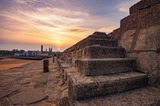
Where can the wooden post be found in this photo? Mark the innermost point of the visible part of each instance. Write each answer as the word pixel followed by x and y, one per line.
pixel 45 65
pixel 53 59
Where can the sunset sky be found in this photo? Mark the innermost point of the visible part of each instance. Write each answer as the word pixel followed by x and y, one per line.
pixel 27 24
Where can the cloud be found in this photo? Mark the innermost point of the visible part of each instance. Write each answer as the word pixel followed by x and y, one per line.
pixel 52 25
pixel 124 9
pixel 60 23
pixel 75 30
pixel 62 12
pixel 25 1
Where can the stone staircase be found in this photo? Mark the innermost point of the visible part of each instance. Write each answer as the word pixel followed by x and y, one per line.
pixel 101 69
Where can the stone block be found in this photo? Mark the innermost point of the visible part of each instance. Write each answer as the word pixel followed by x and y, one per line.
pixel 147 96
pixel 103 52
pixel 128 23
pixel 100 35
pixel 127 39
pixel 149 17
pixel 95 67
pixel 94 41
pixel 148 39
pixel 82 87
pixel 143 4
pixel 116 34
pixel 101 42
pixel 149 63
pixel 97 38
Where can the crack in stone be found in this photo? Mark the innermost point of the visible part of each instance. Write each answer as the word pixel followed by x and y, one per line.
pixel 10 94
pixel 9 101
pixel 45 98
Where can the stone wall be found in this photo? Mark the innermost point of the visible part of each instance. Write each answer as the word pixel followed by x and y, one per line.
pixel 139 34
pixel 79 50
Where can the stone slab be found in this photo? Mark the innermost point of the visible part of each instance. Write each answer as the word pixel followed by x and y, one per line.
pixel 82 87
pixel 95 67
pixel 147 96
pixel 103 52
pixel 101 42
pixel 99 35
pixel 143 4
pixel 5 102
pixel 28 96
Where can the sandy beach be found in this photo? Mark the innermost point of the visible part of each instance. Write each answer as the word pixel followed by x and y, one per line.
pixel 8 63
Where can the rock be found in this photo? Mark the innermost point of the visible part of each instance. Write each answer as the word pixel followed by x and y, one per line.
pixel 127 39
pixel 61 82
pixel 47 104
pixel 40 84
pixel 63 102
pixel 148 39
pixel 8 93
pixel 29 96
pixel 4 102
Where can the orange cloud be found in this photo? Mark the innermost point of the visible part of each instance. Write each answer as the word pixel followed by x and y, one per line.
pixel 51 26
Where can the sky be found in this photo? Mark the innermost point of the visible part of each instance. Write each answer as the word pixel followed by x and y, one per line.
pixel 28 24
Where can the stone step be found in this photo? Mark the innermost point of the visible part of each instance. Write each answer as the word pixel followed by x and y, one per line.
pixel 95 67
pixel 96 41
pixel 103 52
pixel 99 35
pixel 82 87
pixel 146 96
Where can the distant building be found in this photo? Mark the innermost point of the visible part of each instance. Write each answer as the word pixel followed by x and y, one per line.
pixel 33 53
pixel 50 49
pixel 28 53
pixel 18 54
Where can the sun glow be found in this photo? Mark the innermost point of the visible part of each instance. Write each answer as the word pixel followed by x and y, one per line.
pixel 55 23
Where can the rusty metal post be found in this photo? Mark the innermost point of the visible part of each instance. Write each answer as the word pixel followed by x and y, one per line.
pixel 45 65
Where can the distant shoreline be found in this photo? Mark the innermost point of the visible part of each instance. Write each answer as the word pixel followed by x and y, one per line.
pixel 7 63
pixel 27 58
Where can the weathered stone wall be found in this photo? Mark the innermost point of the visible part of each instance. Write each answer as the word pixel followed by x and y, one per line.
pixel 78 50
pixel 139 34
